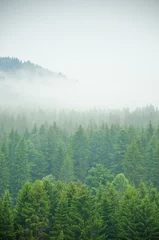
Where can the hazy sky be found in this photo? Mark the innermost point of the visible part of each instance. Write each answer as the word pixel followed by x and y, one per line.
pixel 112 47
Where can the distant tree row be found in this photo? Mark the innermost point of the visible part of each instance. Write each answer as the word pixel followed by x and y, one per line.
pixel 69 120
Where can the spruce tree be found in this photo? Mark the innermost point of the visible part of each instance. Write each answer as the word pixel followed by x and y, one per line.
pixel 4 174
pixel 32 211
pixel 6 217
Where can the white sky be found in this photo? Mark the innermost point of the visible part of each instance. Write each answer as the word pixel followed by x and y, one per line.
pixel 111 47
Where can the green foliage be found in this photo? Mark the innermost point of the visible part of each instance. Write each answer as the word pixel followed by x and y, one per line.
pixel 80 153
pixel 98 175
pixel 138 216
pixel 4 174
pixel 113 161
pixel 108 209
pixel 32 211
pixel 6 217
pixel 120 184
pixel 20 168
pixel 67 170
pixel 133 164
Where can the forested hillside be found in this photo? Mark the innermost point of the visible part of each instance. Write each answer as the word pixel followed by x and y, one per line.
pixel 14 68
pixel 82 180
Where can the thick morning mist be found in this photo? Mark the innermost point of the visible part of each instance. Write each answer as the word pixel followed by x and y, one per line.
pixel 109 50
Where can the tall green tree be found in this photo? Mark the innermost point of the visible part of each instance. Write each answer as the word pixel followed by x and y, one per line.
pixel 6 217
pixel 133 164
pixel 80 153
pixel 119 151
pixel 155 166
pixel 32 211
pixel 20 169
pixel 67 170
pixel 4 174
pixel 138 216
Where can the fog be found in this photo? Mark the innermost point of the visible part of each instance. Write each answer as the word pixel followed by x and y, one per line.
pixel 110 47
pixel 47 93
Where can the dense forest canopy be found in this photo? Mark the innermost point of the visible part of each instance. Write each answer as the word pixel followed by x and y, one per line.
pixel 79 175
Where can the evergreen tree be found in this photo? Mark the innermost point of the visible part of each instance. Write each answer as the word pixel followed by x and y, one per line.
pixel 80 153
pixel 20 169
pixel 149 163
pixel 58 160
pixel 67 170
pixel 60 227
pixel 32 211
pixel 155 166
pixel 6 217
pixel 133 164
pixel 138 216
pixel 108 211
pixel 98 175
pixel 86 223
pixel 119 151
pixel 4 174
pixel 120 184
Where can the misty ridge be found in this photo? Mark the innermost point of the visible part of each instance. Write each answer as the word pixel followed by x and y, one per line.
pixel 24 84
pixel 29 85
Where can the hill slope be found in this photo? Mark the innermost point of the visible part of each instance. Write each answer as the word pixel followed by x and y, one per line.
pixel 29 85
pixel 15 68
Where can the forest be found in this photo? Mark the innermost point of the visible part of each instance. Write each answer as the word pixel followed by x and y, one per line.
pixel 79 175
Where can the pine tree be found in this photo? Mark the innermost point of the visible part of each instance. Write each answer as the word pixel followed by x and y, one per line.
pixel 36 162
pixel 150 131
pixel 20 169
pixel 58 159
pixel 61 226
pixel 127 223
pixel 6 217
pixel 67 170
pixel 4 174
pixel 83 218
pixel 80 153
pixel 108 211
pixel 138 216
pixel 149 163
pixel 133 164
pixel 119 151
pixel 155 166
pixel 32 211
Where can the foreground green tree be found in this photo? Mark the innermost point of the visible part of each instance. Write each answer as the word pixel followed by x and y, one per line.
pixel 138 217
pixel 84 219
pixel 108 209
pixel 32 211
pixel 6 217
